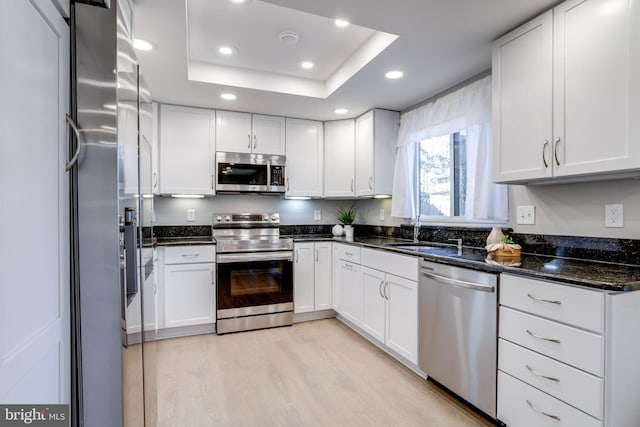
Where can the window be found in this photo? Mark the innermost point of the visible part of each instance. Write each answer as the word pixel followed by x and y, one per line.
pixel 442 174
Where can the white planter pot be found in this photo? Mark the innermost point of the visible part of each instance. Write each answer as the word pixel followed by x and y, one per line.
pixel 348 231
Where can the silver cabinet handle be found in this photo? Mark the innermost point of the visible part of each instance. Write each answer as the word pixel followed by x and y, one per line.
pixel 458 283
pixel 213 278
pixel 287 183
pixel 349 253
pixel 249 143
pixel 544 153
pixel 190 255
pixel 532 406
pixel 317 254
pixel 296 256
pixel 380 289
pixel 349 266
pixel 255 141
pixel 73 159
pixel 213 181
pixel 386 287
pixel 535 298
pixel 538 374
pixel 553 340
pixel 155 180
pixel 555 151
pixel 352 185
pixel 371 183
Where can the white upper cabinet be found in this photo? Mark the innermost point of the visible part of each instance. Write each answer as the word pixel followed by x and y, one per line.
pixel 339 168
pixel 522 100
pixel 375 139
pixel 567 94
pixel 305 158
pixel 250 133
pixel 187 150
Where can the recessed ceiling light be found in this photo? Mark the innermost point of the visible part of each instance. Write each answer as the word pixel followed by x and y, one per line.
pixel 228 96
pixel 141 44
pixel 341 111
pixel 341 22
pixel 395 74
pixel 238 1
pixel 227 50
pixel 307 65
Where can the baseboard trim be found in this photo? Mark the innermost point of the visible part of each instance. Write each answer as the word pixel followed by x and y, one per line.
pixel 313 315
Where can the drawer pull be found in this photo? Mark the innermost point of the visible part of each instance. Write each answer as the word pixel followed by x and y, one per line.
pixel 533 297
pixel 190 255
pixel 532 406
pixel 553 340
pixel 538 374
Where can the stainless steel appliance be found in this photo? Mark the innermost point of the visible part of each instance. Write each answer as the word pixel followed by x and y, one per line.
pixel 254 272
pixel 249 173
pixel 458 331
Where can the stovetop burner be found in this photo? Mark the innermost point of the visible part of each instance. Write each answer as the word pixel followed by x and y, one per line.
pixel 248 232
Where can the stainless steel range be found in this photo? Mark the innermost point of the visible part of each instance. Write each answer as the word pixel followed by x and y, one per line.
pixel 254 272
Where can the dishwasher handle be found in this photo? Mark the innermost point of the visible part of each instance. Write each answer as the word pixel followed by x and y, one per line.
pixel 457 283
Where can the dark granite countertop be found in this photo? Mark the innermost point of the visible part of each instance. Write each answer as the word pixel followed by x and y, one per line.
pixel 591 274
pixel 186 241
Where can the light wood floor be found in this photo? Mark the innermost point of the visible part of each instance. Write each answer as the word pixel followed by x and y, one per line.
pixel 316 373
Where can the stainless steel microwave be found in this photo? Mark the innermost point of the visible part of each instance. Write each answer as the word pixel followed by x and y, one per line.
pixel 249 173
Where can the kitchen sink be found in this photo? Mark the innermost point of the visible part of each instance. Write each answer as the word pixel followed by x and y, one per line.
pixel 430 249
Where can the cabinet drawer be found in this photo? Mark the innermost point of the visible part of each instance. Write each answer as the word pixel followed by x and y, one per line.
pixel 347 252
pixel 579 307
pixel 189 254
pixel 398 265
pixel 573 346
pixel 571 385
pixel 520 405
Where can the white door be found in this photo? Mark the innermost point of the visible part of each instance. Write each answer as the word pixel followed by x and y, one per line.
pixel 190 294
pixel 305 158
pixel 373 302
pixel 187 151
pixel 595 86
pixel 522 101
pixel 34 249
pixel 233 132
pixel 351 292
pixel 303 277
pixel 364 155
pixel 323 275
pixel 339 154
pixel 268 134
pixel 402 317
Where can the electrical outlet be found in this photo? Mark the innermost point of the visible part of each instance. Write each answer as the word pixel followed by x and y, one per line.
pixel 317 215
pixel 381 215
pixel 191 215
pixel 526 215
pixel 613 216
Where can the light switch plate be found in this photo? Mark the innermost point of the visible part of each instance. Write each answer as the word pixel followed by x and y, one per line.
pixel 526 215
pixel 613 216
pixel 381 216
pixel 317 215
pixel 191 215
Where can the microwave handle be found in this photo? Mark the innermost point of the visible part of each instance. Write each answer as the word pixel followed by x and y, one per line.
pixel 269 183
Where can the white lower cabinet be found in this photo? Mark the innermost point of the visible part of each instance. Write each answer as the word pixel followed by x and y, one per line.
pixel 401 332
pixel 189 286
pixel 351 298
pixel 312 277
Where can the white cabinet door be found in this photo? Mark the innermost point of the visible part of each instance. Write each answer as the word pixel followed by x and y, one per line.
pixel 373 303
pixel 150 296
pixel 233 132
pixel 303 277
pixel 305 158
pixel 323 275
pixel 351 292
pixel 34 260
pixel 339 167
pixel 364 157
pixel 596 96
pixel 268 135
pixel 189 294
pixel 187 150
pixel 402 316
pixel 522 101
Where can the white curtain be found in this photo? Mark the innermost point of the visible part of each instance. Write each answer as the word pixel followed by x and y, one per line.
pixel 468 108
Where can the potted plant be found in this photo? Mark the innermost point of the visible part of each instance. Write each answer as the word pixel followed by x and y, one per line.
pixel 346 217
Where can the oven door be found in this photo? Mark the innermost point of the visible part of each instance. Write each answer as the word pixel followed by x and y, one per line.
pixel 263 279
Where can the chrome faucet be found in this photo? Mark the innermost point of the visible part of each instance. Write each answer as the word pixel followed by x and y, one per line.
pixel 459 242
pixel 416 230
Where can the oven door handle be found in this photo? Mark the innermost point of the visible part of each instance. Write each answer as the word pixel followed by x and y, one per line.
pixel 256 256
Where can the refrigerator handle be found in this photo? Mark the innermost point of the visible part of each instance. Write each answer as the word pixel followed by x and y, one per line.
pixel 74 159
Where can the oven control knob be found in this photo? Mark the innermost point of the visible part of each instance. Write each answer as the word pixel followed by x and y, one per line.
pixel 218 218
pixel 274 218
pixel 227 218
pixel 265 217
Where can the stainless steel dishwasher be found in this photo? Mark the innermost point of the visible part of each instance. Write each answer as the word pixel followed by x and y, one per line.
pixel 457 331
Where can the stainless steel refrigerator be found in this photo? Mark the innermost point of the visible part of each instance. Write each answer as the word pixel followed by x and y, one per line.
pixel 111 212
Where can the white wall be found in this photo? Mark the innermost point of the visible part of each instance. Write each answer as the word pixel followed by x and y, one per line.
pixel 578 209
pixel 170 211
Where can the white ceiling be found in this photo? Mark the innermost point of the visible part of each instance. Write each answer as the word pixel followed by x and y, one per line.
pixel 440 43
